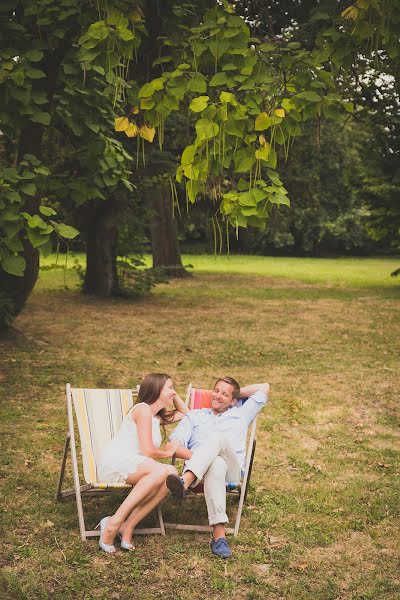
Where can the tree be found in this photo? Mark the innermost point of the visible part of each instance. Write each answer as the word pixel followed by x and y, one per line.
pixel 47 92
pixel 248 97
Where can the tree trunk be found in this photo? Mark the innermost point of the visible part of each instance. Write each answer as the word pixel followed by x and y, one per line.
pixel 16 290
pixel 164 236
pixel 101 277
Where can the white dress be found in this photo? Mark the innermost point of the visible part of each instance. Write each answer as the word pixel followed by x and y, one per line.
pixel 122 456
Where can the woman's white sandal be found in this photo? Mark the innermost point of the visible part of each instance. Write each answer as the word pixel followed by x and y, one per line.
pixel 109 548
pixel 125 545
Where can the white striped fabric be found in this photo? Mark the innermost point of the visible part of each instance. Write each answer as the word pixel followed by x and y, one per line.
pixel 99 414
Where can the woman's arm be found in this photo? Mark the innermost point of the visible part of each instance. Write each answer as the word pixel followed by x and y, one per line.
pixel 180 407
pixel 179 451
pixel 142 416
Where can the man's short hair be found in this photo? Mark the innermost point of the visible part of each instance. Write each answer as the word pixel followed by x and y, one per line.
pixel 233 383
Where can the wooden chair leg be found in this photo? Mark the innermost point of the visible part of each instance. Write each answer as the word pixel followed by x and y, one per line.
pixel 63 464
pixel 250 469
pixel 75 466
pixel 245 484
pixel 160 520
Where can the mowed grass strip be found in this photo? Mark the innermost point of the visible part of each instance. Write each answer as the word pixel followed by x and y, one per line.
pixel 322 515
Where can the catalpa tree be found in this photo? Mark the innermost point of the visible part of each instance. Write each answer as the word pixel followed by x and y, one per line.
pixel 70 70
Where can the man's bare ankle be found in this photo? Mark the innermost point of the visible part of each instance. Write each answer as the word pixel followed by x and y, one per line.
pixel 188 478
pixel 219 532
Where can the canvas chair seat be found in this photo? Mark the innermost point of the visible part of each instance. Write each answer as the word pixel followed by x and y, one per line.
pixel 99 414
pixel 197 398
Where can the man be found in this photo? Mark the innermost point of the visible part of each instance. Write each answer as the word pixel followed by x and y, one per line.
pixel 213 444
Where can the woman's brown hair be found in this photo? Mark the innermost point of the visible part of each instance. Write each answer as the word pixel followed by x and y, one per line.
pixel 150 390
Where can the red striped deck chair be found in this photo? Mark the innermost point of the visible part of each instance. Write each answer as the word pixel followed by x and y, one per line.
pixel 99 414
pixel 201 398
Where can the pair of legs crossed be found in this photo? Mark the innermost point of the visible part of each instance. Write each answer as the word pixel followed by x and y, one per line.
pixel 148 491
pixel 215 462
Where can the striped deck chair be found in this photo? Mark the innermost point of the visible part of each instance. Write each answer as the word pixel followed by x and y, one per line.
pixel 201 398
pixel 99 414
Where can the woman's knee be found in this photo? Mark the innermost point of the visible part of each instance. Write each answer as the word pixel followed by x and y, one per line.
pixel 160 473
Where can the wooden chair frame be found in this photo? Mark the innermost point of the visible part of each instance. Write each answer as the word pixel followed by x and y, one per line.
pixel 90 489
pixel 241 492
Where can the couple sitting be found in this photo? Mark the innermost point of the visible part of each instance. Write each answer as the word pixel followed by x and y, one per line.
pixel 211 441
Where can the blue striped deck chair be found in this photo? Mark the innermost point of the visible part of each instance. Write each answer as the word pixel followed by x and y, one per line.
pixel 99 414
pixel 201 398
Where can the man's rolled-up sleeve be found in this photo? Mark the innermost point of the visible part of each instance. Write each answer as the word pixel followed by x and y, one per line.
pixel 183 431
pixel 253 405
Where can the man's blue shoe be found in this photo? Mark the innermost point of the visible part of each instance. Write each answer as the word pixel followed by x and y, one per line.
pixel 220 547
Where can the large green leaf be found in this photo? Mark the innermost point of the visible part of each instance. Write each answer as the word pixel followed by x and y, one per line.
pixel 199 104
pixel 235 127
pixel 263 121
pixel 188 155
pixel 41 117
pixel 10 215
pixel 47 211
pixel 274 177
pixel 98 31
pixel 244 159
pixel 206 129
pixel 198 85
pixel 228 98
pixel 15 265
pixel 28 188
pixel 37 238
pixel 18 76
pixel 146 90
pixel 219 79
pixel 65 231
pixel 125 34
pixel 34 55
pixel 21 94
pixel 34 73
pixel 262 153
pixel 46 248
pixel 37 221
pixel 12 195
pixel 11 228
pixel 246 199
pixel 309 95
pixel 42 170
pixel 218 47
pixel 248 211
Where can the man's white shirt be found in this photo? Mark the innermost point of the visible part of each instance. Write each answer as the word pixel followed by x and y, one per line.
pixel 195 427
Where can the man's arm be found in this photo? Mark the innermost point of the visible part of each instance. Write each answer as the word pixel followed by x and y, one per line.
pixel 257 395
pixel 249 390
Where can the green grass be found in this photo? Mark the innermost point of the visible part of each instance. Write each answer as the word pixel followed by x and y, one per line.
pixel 357 272
pixel 321 520
pixel 353 272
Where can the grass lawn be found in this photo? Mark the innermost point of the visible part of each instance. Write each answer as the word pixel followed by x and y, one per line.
pixel 321 520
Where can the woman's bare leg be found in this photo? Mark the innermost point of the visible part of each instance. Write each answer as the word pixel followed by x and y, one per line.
pixel 145 507
pixel 148 478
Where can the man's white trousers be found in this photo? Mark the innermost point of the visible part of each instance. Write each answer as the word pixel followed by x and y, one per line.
pixel 216 462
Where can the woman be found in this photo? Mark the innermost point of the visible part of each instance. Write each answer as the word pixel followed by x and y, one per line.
pixel 131 457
